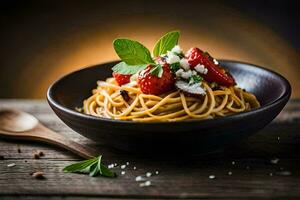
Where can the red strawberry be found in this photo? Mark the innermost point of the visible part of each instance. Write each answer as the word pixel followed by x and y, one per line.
pixel 121 78
pixel 215 72
pixel 151 84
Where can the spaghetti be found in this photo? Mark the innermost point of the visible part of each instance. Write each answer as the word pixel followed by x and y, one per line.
pixel 109 100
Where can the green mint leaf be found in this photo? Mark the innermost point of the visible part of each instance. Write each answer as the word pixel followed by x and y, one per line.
pixel 195 79
pixel 80 166
pixel 175 66
pixel 166 43
pixel 123 68
pixel 157 70
pixel 93 167
pixel 132 52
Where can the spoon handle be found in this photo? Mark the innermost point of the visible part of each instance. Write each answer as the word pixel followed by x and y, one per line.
pixel 41 133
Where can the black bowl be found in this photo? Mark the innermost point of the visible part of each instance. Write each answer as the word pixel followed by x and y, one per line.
pixel 191 136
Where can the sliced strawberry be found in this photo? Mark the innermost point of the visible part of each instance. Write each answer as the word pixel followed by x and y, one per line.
pixel 121 78
pixel 215 72
pixel 151 84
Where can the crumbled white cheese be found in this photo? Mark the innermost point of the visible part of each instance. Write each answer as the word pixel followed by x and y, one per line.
pixel 11 165
pixel 123 172
pixel 172 58
pixel 148 174
pixel 215 62
pixel 134 167
pixel 145 184
pixel 229 173
pixel 201 69
pixel 123 166
pixel 192 89
pixel 184 64
pixel 156 172
pixel 186 75
pixel 139 178
pixel 177 49
pixel 127 163
pixel 179 72
pixel 110 166
pixel 212 176
pixel 194 72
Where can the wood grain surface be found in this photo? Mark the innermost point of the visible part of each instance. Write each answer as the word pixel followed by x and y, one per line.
pixel 253 173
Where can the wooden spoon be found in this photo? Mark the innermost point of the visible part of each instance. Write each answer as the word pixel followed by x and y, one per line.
pixel 16 124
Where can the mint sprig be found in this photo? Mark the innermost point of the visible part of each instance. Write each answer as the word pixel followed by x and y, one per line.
pixel 123 68
pixel 132 52
pixel 93 167
pixel 136 57
pixel 166 43
pixel 195 79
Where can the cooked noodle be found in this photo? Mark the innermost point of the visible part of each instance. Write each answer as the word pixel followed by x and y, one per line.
pixel 108 102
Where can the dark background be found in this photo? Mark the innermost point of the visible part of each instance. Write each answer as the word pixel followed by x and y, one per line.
pixel 42 40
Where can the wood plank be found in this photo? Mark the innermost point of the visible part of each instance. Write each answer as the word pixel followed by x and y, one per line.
pixel 178 178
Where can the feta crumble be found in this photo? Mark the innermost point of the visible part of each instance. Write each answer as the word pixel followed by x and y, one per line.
pixel 172 58
pixel 139 178
pixel 123 166
pixel 215 62
pixel 184 64
pixel 145 184
pixel 187 74
pixel 148 174
pixel 201 69
pixel 177 49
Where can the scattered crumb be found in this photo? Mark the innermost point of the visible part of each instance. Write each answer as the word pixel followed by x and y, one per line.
pixel 278 138
pixel 36 156
pixel 275 161
pixel 38 175
pixel 110 166
pixel 139 178
pixel 145 184
pixel 122 172
pixel 212 176
pixel 115 164
pixel 11 165
pixel 134 168
pixel 233 163
pixel 156 172
pixel 127 163
pixel 271 174
pixel 148 174
pixel 41 153
pixel 123 166
pixel 229 173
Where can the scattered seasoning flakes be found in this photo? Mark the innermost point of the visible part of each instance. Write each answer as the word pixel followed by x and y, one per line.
pixel 156 172
pixel 1 157
pixel 233 163
pixel 284 173
pixel 145 184
pixel 122 172
pixel 139 178
pixel 229 173
pixel 148 174
pixel 275 161
pixel 127 163
pixel 212 176
pixel 123 166
pixel 11 165
pixel 134 167
pixel 38 175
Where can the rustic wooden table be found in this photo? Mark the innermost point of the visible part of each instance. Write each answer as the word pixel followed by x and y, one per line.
pixel 264 166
